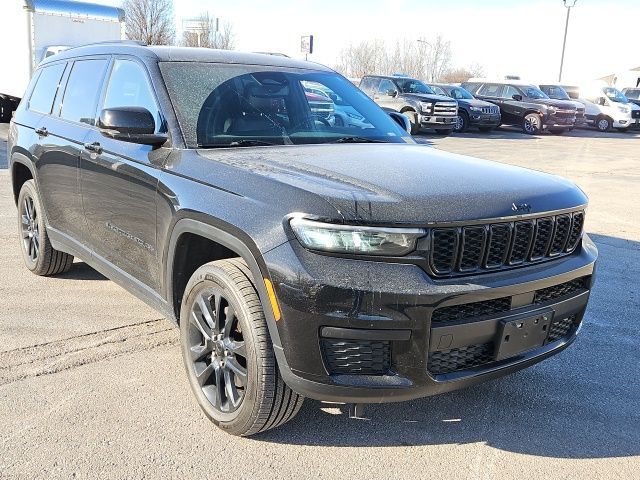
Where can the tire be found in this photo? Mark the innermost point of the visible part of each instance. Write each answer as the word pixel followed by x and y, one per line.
pixel 239 387
pixel 603 123
pixel 443 131
pixel 485 129
pixel 532 124
pixel 413 120
pixel 38 254
pixel 462 122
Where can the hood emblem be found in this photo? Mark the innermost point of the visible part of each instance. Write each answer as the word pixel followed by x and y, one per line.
pixel 521 207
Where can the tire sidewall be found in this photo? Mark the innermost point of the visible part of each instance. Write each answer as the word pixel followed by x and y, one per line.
pixel 464 122
pixel 607 128
pixel 538 129
pixel 29 189
pixel 203 278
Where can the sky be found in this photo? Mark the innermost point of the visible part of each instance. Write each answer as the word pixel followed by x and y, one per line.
pixel 517 37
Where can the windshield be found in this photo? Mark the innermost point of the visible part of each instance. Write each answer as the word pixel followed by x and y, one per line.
pixel 615 95
pixel 410 85
pixel 632 93
pixel 460 93
pixel 556 92
pixel 228 105
pixel 533 92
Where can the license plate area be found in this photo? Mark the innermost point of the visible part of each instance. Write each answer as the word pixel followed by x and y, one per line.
pixel 522 334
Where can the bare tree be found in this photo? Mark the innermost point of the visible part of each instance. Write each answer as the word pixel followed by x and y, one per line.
pixel 207 33
pixel 438 58
pixel 462 74
pixel 150 21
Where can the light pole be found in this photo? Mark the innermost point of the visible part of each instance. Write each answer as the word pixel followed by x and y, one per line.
pixel 421 40
pixel 568 5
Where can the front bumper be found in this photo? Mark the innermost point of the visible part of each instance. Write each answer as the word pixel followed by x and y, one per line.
pixel 632 123
pixel 364 332
pixel 484 119
pixel 559 121
pixel 437 121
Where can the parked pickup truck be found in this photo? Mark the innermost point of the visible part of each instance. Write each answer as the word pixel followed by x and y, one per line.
pixel 298 257
pixel 36 29
pixel 413 98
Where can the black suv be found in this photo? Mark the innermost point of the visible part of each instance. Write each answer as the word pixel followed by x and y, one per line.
pixel 471 111
pixel 526 106
pixel 557 92
pixel 299 258
pixel 413 98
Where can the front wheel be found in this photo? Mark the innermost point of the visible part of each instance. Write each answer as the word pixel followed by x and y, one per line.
pixel 532 124
pixel 38 254
pixel 462 122
pixel 413 120
pixel 228 354
pixel 603 124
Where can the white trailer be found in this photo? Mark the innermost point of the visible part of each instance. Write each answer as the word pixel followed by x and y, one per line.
pixel 35 29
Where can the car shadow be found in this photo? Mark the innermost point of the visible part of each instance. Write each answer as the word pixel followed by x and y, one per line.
pixel 581 403
pixel 81 271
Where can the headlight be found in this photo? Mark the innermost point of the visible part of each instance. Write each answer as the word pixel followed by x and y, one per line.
pixel 426 107
pixel 624 109
pixel 355 239
pixel 552 110
pixel 476 109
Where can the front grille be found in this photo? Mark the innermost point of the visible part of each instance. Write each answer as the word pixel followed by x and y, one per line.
pixel 565 113
pixel 560 328
pixel 356 357
pixel 447 361
pixel 466 311
pixel 480 248
pixel 446 109
pixel 552 293
pixel 493 110
pixel 475 311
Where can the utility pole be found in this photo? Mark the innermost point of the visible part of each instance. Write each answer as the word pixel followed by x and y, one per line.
pixel 568 6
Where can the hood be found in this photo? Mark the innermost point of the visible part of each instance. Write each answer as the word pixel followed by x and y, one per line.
pixel 428 97
pixel 475 103
pixel 563 104
pixel 396 183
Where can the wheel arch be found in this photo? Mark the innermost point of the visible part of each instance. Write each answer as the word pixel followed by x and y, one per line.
pixel 21 171
pixel 231 246
pixel 408 108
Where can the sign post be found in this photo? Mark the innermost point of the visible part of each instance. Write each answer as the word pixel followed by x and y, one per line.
pixel 306 45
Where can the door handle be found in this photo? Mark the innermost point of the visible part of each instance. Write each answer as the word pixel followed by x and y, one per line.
pixel 42 132
pixel 93 147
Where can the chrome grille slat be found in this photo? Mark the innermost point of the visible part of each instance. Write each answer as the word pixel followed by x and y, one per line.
pixel 482 248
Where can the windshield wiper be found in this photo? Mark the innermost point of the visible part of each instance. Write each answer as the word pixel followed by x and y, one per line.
pixel 240 143
pixel 357 140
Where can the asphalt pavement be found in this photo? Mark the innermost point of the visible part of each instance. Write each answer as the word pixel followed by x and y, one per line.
pixel 92 383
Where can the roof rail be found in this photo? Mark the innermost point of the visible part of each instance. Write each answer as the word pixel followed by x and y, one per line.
pixel 120 42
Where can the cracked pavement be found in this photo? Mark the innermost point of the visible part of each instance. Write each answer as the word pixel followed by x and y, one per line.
pixel 92 383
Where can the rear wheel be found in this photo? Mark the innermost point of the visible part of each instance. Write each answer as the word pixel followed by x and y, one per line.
pixel 228 354
pixel 413 120
pixel 603 123
pixel 532 124
pixel 38 254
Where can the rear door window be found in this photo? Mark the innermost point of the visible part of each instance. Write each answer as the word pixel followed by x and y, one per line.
pixel 369 85
pixel 491 90
pixel 83 88
pixel 46 88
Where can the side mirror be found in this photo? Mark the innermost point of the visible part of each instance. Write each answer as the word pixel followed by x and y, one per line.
pixel 392 93
pixel 130 124
pixel 601 101
pixel 401 120
pixel 517 97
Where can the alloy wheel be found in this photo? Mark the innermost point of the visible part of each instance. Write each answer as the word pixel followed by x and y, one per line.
pixel 30 230
pixel 217 351
pixel 531 124
pixel 603 125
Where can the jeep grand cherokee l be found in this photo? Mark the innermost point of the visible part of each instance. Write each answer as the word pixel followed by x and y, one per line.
pixel 526 106
pixel 299 258
pixel 471 111
pixel 414 99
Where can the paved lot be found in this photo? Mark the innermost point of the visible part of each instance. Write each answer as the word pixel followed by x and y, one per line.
pixel 91 380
